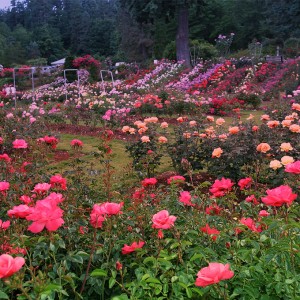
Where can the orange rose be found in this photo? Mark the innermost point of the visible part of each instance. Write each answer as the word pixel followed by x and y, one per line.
pixel 217 152
pixel 234 130
pixel 263 147
pixel 295 128
pixel 145 139
pixel 220 121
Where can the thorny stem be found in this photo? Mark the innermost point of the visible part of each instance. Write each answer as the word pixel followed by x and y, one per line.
pixel 90 261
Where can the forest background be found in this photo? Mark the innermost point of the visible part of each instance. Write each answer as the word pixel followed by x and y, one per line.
pixel 42 31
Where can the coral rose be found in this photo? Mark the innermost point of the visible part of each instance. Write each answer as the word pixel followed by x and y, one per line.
pixel 214 273
pixel 145 139
pixel 164 125
pixel 233 130
pixel 217 152
pixel 295 128
pixel 162 220
pixel 263 147
pixel 279 196
pixel 245 183
pixel 220 121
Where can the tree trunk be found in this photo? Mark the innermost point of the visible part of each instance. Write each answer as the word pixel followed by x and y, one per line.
pixel 182 37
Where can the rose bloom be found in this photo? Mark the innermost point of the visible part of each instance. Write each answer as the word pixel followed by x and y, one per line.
pixel 193 123
pixel 279 196
pixel 221 187
pixel 263 213
pixel 176 179
pixel 149 181
pixel 245 183
pixel 233 130
pixel 214 273
pixel 145 139
pixel 10 265
pixel 187 135
pixel 47 214
pixel 210 118
pixel 162 140
pixel 1 140
pixel 164 125
pixel 250 224
pixel 263 147
pixel 41 188
pixel 76 143
pixel 286 147
pixel 273 124
pixel 252 199
pixel 4 186
pixel 286 160
pixel 213 209
pixel 185 198
pixel 162 220
pixel 132 130
pixel 4 225
pixel 220 121
pixel 296 106
pixel 110 208
pixel 255 128
pixel 265 117
pixel 286 123
pixel 21 211
pixel 125 128
pixel 5 157
pixel 180 119
pixel 212 231
pixel 19 144
pixel 275 164
pixel 58 181
pixel 96 216
pixel 25 199
pixel 222 137
pixel 295 128
pixel 217 152
pixel 293 167
pixel 129 249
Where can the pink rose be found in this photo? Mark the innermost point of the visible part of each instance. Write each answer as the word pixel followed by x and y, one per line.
pixel 162 220
pixel 10 265
pixel 19 144
pixel 214 273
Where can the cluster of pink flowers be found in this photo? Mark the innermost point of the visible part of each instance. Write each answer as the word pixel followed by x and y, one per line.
pixel 101 211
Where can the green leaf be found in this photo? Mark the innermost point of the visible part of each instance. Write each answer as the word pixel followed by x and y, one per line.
pixel 121 297
pixel 99 273
pixel 153 280
pixel 196 256
pixel 112 282
pixel 189 292
pixel 3 295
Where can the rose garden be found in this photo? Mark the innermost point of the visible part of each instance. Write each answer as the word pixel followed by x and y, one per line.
pixel 168 183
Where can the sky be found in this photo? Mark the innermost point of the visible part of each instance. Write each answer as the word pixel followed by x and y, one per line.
pixel 4 3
